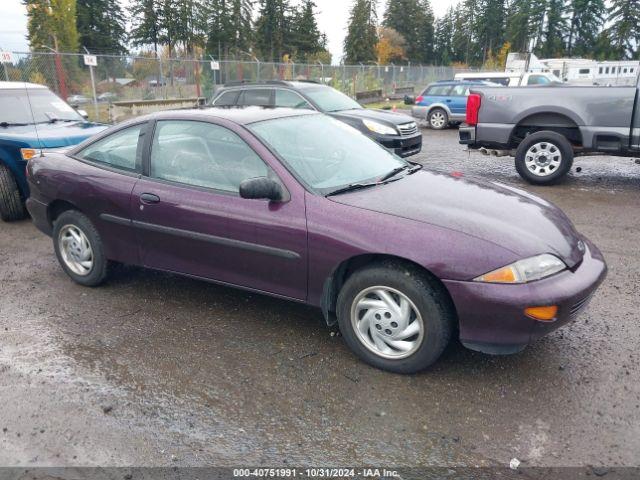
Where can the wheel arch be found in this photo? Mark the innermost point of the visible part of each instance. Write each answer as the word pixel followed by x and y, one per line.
pixel 349 266
pixel 558 122
pixel 57 208
pixel 434 106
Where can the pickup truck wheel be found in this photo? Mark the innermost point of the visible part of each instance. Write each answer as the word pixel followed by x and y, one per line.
pixel 395 317
pixel 79 248
pixel 544 157
pixel 11 206
pixel 438 119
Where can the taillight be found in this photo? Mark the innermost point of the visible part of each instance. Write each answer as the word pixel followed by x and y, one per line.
pixel 419 98
pixel 473 107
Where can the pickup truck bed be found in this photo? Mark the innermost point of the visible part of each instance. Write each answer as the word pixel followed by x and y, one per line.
pixel 583 119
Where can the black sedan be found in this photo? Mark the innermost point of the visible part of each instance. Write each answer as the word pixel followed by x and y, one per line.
pixel 394 131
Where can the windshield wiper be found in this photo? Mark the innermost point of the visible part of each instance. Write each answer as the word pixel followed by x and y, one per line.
pixel 351 187
pixel 54 120
pixel 395 171
pixel 12 124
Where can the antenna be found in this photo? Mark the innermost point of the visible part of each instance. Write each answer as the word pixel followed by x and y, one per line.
pixel 33 117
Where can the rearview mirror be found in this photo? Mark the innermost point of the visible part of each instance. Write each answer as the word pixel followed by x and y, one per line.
pixel 261 188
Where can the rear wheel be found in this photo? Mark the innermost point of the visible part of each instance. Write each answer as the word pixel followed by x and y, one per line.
pixel 543 158
pixel 395 317
pixel 438 119
pixel 79 248
pixel 11 206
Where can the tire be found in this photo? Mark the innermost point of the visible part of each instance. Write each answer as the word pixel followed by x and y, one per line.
pixel 543 158
pixel 438 119
pixel 72 258
pixel 429 304
pixel 11 206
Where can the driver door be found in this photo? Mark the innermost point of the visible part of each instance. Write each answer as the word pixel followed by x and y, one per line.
pixel 190 218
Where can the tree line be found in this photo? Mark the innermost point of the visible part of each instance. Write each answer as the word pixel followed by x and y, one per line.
pixel 271 30
pixel 479 32
pixel 474 32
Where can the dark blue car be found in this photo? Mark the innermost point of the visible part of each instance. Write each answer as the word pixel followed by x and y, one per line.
pixel 444 102
pixel 32 118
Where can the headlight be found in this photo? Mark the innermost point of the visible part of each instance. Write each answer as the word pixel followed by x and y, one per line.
pixel 524 271
pixel 379 128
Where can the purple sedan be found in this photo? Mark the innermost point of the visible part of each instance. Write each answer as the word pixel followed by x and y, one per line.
pixel 301 206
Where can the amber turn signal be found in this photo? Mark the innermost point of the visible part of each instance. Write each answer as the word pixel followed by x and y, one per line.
pixel 544 314
pixel 28 153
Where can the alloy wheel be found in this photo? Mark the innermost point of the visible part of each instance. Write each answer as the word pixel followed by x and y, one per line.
pixel 387 322
pixel 75 250
pixel 543 158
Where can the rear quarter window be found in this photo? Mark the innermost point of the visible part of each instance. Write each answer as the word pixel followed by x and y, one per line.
pixel 438 90
pixel 227 99
pixel 258 97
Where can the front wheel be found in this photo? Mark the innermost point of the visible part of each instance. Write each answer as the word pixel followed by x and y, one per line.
pixel 438 119
pixel 395 317
pixel 11 206
pixel 543 158
pixel 79 249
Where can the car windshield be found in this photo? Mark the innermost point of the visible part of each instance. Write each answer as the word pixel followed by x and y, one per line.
pixel 331 100
pixel 45 107
pixel 325 153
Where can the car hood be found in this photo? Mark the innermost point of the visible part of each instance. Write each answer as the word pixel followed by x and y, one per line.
pixel 54 135
pixel 393 118
pixel 511 218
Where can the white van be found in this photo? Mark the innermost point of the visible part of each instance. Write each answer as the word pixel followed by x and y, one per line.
pixel 510 79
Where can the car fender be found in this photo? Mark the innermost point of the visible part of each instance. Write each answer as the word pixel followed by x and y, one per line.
pixel 16 167
pixel 437 105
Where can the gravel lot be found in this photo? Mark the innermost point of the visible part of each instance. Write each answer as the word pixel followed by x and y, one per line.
pixel 155 369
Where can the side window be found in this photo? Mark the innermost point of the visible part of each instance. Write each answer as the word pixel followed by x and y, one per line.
pixel 260 97
pixel 459 91
pixel 538 80
pixel 118 150
pixel 439 90
pixel 227 99
pixel 203 155
pixel 287 98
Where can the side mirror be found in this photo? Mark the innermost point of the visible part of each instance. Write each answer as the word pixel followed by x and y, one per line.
pixel 261 188
pixel 83 114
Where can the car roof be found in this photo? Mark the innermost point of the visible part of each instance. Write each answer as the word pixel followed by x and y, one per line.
pixel 22 85
pixel 457 82
pixel 239 115
pixel 295 84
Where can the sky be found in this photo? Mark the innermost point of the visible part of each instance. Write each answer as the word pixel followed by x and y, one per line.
pixel 332 17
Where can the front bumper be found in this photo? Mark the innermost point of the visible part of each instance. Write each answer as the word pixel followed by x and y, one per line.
pixel 467 135
pixel 402 146
pixel 39 215
pixel 492 318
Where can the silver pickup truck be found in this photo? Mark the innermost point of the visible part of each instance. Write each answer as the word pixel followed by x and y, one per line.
pixel 545 127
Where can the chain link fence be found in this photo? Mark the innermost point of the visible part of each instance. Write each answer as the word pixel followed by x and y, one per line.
pixel 147 77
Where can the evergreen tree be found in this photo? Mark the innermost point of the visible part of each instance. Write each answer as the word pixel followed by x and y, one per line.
pixel 146 23
pixel 359 44
pixel 555 30
pixel 444 38
pixel 587 17
pixel 306 38
pixel 272 29
pixel 101 26
pixel 524 24
pixel 52 23
pixel 490 26
pixel 425 42
pixel 405 17
pixel 228 26
pixel 624 30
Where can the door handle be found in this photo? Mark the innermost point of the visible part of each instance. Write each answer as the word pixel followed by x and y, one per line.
pixel 149 198
pixel 448 100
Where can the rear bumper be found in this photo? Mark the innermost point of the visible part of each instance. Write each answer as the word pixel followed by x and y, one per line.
pixel 467 135
pixel 492 318
pixel 38 212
